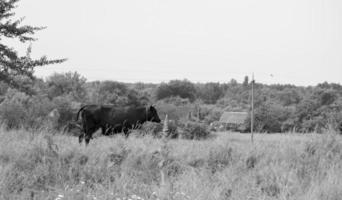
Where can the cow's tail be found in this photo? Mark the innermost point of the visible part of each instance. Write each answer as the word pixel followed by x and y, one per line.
pixel 79 111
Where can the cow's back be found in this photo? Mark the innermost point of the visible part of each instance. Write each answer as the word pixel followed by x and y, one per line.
pixel 119 115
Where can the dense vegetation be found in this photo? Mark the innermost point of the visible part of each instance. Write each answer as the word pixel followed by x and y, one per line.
pixel 279 108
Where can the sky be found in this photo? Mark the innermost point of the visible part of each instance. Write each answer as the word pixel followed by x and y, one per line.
pixel 290 42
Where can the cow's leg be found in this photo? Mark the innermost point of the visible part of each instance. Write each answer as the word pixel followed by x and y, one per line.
pixel 89 129
pixel 83 129
pixel 80 138
pixel 125 130
pixel 87 139
pixel 105 129
pixel 89 135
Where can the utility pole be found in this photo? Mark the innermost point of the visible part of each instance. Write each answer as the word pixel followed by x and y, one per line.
pixel 252 111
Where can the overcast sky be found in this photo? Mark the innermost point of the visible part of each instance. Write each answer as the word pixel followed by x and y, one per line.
pixel 288 41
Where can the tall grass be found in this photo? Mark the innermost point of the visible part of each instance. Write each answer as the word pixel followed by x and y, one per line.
pixel 42 165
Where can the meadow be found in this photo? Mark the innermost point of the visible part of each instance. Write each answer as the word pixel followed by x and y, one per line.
pixel 43 165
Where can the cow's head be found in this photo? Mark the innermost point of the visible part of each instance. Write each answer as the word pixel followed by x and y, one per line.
pixel 152 114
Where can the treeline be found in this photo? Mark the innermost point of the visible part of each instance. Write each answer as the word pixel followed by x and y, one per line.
pixel 278 108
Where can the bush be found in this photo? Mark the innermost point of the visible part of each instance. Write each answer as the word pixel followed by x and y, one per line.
pixel 156 129
pixel 18 110
pixel 195 130
pixel 13 112
pixel 173 129
pixel 66 84
pixel 66 111
pixel 13 115
pixel 151 128
pixel 210 114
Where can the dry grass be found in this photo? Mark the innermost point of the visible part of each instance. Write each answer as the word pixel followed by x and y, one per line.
pixel 226 166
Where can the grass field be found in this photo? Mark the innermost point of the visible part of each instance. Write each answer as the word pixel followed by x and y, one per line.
pixel 226 166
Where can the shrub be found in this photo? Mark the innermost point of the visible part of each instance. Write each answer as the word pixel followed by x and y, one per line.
pixel 13 112
pixel 13 115
pixel 66 111
pixel 151 128
pixel 70 83
pixel 210 114
pixel 19 110
pixel 173 129
pixel 38 109
pixel 195 130
pixel 156 129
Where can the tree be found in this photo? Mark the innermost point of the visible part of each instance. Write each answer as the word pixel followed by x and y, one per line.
pixel 181 88
pixel 245 82
pixel 13 65
pixel 113 92
pixel 210 92
pixel 288 96
pixel 269 117
pixel 328 97
pixel 66 84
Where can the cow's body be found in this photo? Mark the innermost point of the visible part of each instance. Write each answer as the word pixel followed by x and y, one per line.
pixel 112 130
pixel 122 118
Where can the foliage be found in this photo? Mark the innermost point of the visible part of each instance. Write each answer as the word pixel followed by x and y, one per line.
pixel 66 84
pixel 183 89
pixel 21 111
pixel 210 92
pixel 195 130
pixel 278 108
pixel 13 65
pixel 66 111
pixel 270 117
pixel 116 93
pixel 155 129
pixel 289 96
pixel 13 111
pixel 210 114
pixel 150 128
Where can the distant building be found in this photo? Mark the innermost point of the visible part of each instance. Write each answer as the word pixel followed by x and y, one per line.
pixel 234 121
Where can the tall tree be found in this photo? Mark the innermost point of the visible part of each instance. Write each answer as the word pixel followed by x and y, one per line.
pixel 12 65
pixel 181 88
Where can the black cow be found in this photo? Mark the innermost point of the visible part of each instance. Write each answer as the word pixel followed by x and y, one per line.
pixel 119 118
pixel 113 129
